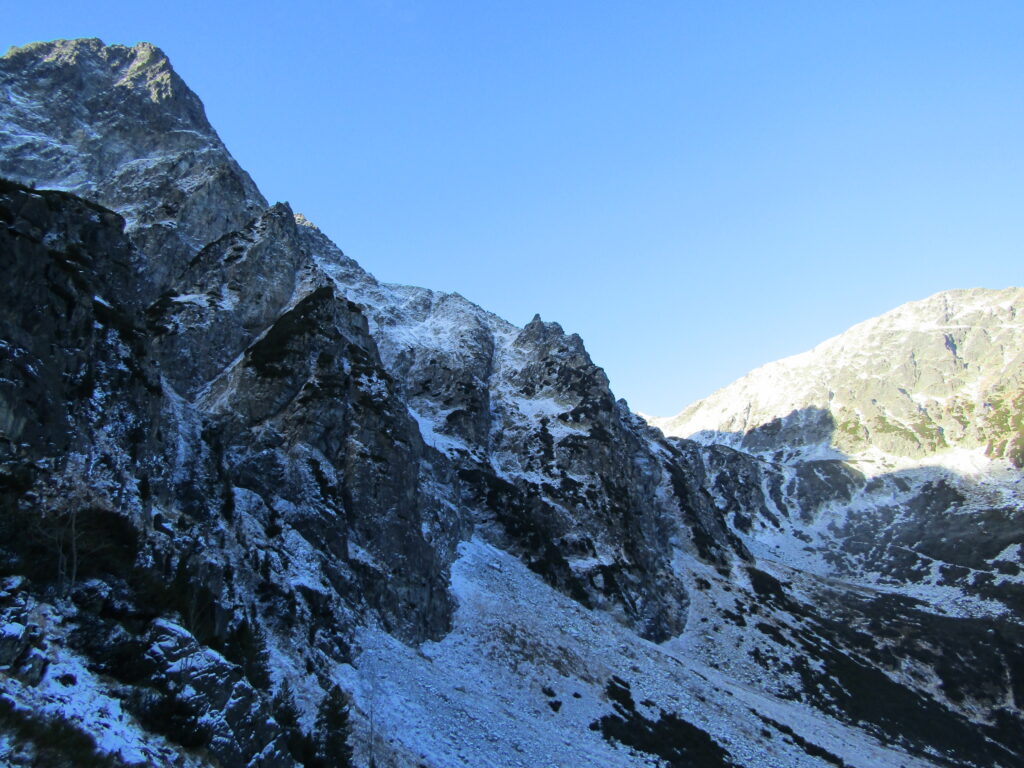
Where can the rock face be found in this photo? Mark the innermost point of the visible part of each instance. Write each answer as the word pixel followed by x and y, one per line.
pixel 116 125
pixel 259 509
pixel 892 442
pixel 888 459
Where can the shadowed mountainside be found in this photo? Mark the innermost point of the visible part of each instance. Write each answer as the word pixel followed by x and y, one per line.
pixel 259 508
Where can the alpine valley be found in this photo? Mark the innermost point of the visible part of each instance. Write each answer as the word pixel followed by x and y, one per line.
pixel 259 509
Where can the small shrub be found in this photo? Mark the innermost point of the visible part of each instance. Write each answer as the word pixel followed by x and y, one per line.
pixel 173 717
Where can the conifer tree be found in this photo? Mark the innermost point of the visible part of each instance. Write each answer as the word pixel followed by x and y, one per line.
pixel 332 730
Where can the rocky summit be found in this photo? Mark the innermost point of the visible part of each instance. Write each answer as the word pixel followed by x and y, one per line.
pixel 259 509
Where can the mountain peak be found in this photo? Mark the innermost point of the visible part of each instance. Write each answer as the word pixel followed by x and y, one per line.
pixel 141 65
pixel 259 508
pixel 926 377
pixel 115 124
pixel 68 49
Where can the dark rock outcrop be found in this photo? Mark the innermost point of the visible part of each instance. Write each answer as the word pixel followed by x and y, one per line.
pixel 234 467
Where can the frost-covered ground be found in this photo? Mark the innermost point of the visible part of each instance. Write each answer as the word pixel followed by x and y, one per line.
pixel 69 695
pixel 813 543
pixel 524 677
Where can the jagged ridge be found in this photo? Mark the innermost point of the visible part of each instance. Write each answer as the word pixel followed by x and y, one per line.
pixel 311 479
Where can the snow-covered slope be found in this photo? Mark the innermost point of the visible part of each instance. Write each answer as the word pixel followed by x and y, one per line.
pixel 930 376
pixel 537 680
pixel 888 457
pixel 242 482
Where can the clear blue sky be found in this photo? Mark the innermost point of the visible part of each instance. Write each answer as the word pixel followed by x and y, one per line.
pixel 696 188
